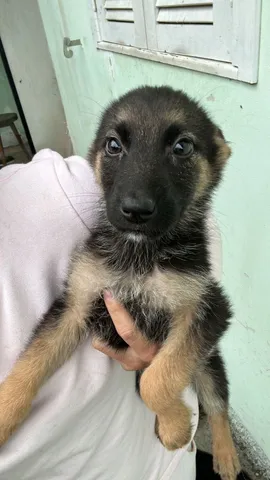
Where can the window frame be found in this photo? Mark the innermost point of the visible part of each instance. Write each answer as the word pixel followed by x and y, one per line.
pixel 244 65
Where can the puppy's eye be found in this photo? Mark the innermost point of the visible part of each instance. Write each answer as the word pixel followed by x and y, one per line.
pixel 113 146
pixel 183 148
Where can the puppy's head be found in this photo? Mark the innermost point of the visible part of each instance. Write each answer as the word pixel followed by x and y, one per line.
pixel 157 157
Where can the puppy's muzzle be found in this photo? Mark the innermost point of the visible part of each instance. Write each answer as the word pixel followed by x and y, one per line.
pixel 138 210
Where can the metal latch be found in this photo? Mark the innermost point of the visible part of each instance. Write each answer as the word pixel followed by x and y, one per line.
pixel 68 44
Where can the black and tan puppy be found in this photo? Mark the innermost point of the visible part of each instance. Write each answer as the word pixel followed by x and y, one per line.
pixel 158 158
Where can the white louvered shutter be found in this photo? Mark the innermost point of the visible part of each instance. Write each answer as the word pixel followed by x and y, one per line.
pixel 219 37
pixel 198 28
pixel 121 22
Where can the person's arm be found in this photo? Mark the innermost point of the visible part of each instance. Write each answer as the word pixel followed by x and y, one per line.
pixel 47 209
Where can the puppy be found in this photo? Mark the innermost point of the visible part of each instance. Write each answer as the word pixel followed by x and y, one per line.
pixel 158 158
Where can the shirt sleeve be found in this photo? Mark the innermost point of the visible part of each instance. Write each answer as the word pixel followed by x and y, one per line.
pixel 45 213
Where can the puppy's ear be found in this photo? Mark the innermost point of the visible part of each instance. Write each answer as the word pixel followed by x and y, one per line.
pixel 220 134
pixel 223 149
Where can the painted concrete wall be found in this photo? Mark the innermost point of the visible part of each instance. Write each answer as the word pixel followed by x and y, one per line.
pixel 8 105
pixel 29 59
pixel 242 204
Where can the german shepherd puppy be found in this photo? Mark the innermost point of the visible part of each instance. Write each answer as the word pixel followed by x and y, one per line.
pixel 158 158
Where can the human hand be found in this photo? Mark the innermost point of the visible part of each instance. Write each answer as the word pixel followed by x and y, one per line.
pixel 139 353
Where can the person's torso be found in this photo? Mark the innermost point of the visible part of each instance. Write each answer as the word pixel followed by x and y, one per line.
pixel 87 422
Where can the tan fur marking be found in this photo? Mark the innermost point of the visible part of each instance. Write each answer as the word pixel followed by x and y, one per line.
pixel 205 170
pixel 174 116
pixel 87 279
pixel 205 177
pixel 97 168
pixel 164 381
pixel 226 462
pixel 45 354
pixel 51 348
pixel 211 402
pixel 174 428
pixel 161 289
pixel 126 115
pixel 174 290
pixel 224 151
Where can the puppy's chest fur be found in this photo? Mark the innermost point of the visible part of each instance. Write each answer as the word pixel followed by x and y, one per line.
pixel 151 291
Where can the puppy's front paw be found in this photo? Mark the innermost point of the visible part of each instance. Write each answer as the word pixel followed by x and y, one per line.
pixel 174 429
pixel 14 408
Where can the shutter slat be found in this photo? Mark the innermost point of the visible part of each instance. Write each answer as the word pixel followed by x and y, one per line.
pixel 119 11
pixel 186 15
pixel 121 22
pixel 194 28
pixel 118 5
pixel 183 3
pixel 120 16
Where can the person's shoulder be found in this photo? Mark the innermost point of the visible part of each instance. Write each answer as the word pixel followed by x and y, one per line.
pixel 49 187
pixel 46 166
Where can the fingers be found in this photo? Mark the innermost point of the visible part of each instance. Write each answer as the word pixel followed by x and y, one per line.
pixel 127 358
pixel 139 353
pixel 126 330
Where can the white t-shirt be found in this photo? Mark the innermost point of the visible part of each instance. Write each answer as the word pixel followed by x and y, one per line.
pixel 87 422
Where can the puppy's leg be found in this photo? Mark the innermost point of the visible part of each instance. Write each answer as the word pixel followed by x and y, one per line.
pixel 191 338
pixel 163 382
pixel 53 342
pixel 212 387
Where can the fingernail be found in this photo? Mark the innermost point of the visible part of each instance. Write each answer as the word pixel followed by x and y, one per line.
pixel 107 295
pixel 97 344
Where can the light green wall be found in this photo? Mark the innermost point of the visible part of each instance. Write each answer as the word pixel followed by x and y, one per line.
pixel 7 105
pixel 242 204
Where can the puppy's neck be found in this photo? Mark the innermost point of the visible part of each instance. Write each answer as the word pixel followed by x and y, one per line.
pixel 183 249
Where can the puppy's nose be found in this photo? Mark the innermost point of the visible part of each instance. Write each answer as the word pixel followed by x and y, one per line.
pixel 138 210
